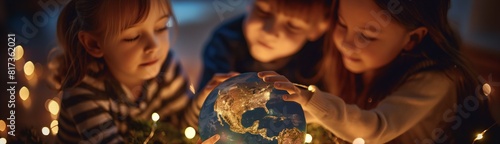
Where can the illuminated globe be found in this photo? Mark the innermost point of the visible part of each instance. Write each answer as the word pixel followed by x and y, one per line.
pixel 245 109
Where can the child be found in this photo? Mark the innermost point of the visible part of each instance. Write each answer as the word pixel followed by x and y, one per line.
pixel 117 68
pixel 280 35
pixel 395 75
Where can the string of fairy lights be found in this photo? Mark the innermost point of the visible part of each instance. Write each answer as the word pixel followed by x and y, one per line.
pixel 33 72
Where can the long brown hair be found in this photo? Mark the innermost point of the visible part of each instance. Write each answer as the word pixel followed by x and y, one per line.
pixel 438 51
pixel 106 18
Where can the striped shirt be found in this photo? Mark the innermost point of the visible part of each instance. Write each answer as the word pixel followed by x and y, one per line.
pixel 97 110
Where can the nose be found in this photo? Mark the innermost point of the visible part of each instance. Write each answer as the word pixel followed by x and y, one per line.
pixel 348 42
pixel 151 43
pixel 271 27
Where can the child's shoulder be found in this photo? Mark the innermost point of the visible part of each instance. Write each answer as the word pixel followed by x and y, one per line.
pixel 89 89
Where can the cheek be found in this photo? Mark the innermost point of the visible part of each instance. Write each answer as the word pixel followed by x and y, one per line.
pixel 164 43
pixel 251 28
pixel 122 55
pixel 291 44
pixel 379 55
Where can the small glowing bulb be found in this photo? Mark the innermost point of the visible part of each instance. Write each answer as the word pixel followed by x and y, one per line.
pixel 2 125
pixel 479 136
pixel 311 88
pixel 53 107
pixel 358 141
pixel 54 127
pixel 190 132
pixel 24 93
pixel 19 51
pixel 45 131
pixel 3 141
pixel 487 89
pixel 29 68
pixel 155 117
pixel 309 138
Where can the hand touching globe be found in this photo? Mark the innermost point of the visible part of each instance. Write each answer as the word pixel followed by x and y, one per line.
pixel 245 109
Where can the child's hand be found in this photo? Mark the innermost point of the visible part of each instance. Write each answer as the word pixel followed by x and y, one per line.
pixel 214 82
pixel 301 96
pixel 211 140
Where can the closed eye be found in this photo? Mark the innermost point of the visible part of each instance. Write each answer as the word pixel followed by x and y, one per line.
pixel 131 39
pixel 162 29
pixel 293 27
pixel 367 37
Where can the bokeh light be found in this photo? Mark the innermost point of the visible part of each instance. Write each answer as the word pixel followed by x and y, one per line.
pixel 190 132
pixel 2 125
pixel 24 93
pixel 45 131
pixel 19 51
pixel 3 141
pixel 358 141
pixel 53 107
pixel 309 138
pixel 155 117
pixel 487 89
pixel 29 68
pixel 54 127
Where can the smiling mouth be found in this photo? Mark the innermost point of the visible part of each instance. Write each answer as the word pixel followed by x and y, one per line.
pixel 264 45
pixel 149 63
pixel 352 59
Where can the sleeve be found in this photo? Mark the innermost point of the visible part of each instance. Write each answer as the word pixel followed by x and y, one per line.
pixel 393 116
pixel 215 59
pixel 83 118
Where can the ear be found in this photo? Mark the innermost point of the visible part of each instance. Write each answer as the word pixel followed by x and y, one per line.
pixel 318 31
pixel 415 37
pixel 90 44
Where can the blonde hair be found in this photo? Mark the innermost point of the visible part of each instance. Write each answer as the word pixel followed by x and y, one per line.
pixel 107 18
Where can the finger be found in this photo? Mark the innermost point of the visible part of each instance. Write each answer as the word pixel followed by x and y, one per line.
pixel 266 73
pixel 222 76
pixel 212 140
pixel 219 78
pixel 234 73
pixel 288 86
pixel 275 78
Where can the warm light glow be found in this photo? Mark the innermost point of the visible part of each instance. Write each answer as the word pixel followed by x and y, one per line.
pixel 191 87
pixel 29 68
pixel 3 141
pixel 24 93
pixel 309 138
pixel 479 136
pixel 190 132
pixel 311 88
pixel 358 141
pixel 155 117
pixel 53 107
pixel 19 51
pixel 45 131
pixel 487 89
pixel 2 125
pixel 54 127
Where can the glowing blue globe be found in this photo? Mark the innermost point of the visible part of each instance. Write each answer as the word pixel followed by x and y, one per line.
pixel 245 109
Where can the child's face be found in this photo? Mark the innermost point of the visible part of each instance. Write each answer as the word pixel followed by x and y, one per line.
pixel 366 37
pixel 272 35
pixel 138 52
